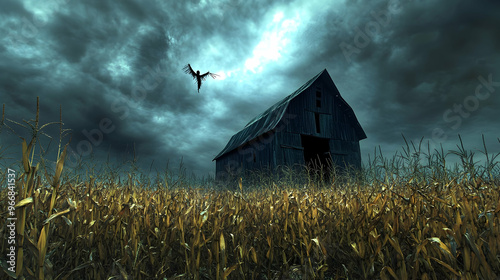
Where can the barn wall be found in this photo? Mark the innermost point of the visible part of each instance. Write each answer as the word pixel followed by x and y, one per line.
pixel 289 149
pixel 258 154
pixel 345 153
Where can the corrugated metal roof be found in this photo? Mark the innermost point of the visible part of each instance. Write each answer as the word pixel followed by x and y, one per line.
pixel 270 118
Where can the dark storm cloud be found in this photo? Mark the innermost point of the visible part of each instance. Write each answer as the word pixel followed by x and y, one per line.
pixel 116 69
pixel 432 64
pixel 13 7
pixel 423 59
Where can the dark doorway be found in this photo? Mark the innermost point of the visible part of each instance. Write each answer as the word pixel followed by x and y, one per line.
pixel 317 154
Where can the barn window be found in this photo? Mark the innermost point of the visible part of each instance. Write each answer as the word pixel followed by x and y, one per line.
pixel 316 119
pixel 254 157
pixel 318 99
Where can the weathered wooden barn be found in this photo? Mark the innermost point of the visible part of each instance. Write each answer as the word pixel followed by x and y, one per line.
pixel 312 123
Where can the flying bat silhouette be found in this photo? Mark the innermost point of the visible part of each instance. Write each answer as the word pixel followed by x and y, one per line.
pixel 197 76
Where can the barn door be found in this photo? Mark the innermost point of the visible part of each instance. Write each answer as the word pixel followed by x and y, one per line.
pixel 317 153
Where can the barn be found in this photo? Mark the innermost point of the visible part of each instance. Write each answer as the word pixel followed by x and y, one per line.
pixel 312 123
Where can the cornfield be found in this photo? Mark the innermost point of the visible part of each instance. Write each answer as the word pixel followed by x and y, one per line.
pixel 427 223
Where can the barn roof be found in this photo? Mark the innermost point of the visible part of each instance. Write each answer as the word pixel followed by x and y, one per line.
pixel 270 118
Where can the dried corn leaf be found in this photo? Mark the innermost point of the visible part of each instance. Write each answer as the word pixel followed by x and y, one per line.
pixel 222 243
pixel 53 216
pixel 447 266
pixel 441 245
pixel 253 255
pixel 229 270
pixel 59 166
pixel 387 268
pixel 24 202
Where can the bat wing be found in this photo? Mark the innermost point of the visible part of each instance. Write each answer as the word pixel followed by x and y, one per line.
pixel 213 75
pixel 188 70
pixel 204 76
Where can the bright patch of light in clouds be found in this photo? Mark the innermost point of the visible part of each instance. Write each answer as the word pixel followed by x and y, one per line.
pixel 221 75
pixel 42 13
pixel 278 16
pixel 159 119
pixel 119 66
pixel 273 41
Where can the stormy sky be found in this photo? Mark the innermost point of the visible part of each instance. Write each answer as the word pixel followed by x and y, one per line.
pixel 419 68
